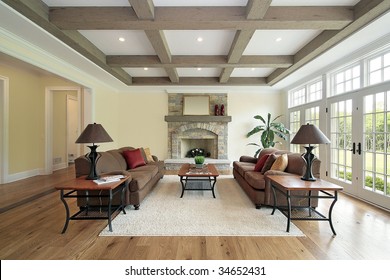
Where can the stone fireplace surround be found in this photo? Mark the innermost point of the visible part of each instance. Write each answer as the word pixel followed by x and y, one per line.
pixel 186 132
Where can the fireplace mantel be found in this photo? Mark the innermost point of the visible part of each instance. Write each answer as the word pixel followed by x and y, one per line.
pixel 225 119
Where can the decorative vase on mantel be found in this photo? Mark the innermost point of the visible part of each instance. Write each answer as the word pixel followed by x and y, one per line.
pixel 216 110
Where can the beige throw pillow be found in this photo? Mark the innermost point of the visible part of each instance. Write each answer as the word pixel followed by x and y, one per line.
pixel 148 155
pixel 280 163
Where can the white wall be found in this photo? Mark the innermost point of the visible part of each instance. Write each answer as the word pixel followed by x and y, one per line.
pixel 243 107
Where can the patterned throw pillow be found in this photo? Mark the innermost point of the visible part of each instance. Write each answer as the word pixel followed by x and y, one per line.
pixel 268 163
pixel 280 163
pixel 260 163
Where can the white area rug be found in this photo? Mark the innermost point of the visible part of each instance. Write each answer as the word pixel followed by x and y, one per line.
pixel 231 213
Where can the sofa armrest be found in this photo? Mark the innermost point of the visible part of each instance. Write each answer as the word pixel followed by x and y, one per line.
pixel 248 159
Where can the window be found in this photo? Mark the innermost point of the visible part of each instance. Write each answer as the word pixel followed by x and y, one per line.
pixel 346 80
pixel 314 91
pixel 297 97
pixel 379 69
pixel 309 92
pixel 295 124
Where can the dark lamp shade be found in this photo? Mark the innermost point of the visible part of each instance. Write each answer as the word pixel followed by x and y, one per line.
pixel 94 133
pixel 309 134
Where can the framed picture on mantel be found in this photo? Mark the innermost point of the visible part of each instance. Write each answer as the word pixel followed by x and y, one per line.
pixel 198 105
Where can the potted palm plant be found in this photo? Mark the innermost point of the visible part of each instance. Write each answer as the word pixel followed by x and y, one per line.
pixel 268 129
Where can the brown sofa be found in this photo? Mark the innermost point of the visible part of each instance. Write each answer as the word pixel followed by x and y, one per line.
pixel 142 180
pixel 258 188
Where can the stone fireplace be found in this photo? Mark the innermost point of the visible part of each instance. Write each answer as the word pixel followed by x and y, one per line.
pixel 187 132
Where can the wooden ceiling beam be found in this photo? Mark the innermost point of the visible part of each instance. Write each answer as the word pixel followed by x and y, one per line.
pixel 200 18
pixel 145 11
pixel 365 12
pixel 198 81
pixel 218 61
pixel 256 9
pixel 37 12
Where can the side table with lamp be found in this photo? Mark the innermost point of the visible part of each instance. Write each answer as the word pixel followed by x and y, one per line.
pixel 89 186
pixel 308 134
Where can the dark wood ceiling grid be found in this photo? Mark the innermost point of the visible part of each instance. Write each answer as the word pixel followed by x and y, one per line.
pixel 335 24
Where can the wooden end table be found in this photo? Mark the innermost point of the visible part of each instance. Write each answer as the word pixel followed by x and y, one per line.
pixel 188 172
pixel 287 185
pixel 74 186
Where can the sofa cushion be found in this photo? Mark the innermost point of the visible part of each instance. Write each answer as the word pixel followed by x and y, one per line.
pixel 243 167
pixel 260 163
pixel 133 158
pixel 151 168
pixel 280 163
pixel 139 180
pixel 268 163
pixel 255 179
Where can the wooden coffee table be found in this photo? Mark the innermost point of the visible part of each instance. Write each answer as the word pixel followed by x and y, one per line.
pixel 189 173
pixel 288 185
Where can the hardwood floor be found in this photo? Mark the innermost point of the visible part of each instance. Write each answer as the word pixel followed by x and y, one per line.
pixel 32 217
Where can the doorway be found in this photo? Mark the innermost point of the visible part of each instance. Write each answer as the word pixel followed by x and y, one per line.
pixel 57 120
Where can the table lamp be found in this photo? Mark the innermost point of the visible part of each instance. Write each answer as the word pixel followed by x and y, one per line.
pixel 309 134
pixel 93 133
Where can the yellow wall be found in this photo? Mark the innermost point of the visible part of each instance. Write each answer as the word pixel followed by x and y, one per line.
pixel 27 116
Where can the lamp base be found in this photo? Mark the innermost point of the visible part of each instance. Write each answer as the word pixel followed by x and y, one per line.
pixel 93 157
pixel 308 157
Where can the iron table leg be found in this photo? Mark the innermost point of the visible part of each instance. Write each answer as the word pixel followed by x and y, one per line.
pixel 289 211
pixel 330 213
pixel 66 210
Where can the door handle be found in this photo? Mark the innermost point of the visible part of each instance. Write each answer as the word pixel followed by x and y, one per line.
pixel 359 149
pixel 353 148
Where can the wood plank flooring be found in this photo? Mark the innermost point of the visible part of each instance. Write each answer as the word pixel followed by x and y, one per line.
pixel 32 217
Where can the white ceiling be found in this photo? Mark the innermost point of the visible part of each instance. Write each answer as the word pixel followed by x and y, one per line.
pixel 184 42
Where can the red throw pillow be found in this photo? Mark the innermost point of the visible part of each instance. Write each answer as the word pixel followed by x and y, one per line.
pixel 133 158
pixel 260 162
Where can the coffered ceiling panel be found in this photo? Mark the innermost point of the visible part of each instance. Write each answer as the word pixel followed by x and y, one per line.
pixel 199 42
pixel 231 42
pixel 279 42
pixel 120 42
pixel 146 72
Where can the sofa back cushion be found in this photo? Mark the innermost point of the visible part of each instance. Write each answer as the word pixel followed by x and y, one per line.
pixel 107 163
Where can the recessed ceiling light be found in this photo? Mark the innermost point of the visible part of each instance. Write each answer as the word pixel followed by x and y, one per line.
pixel 199 39
pixel 122 39
pixel 199 68
pixel 146 68
pixel 253 69
pixel 278 39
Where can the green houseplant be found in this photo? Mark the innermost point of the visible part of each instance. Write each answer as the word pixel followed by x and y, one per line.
pixel 268 129
pixel 199 160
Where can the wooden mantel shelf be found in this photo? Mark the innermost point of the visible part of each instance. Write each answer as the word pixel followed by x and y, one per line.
pixel 196 118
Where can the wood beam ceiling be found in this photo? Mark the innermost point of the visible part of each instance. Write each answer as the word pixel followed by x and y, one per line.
pixel 336 24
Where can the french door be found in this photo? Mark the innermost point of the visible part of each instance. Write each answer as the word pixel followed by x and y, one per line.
pixel 359 128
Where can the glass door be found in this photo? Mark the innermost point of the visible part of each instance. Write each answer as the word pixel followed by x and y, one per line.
pixel 359 126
